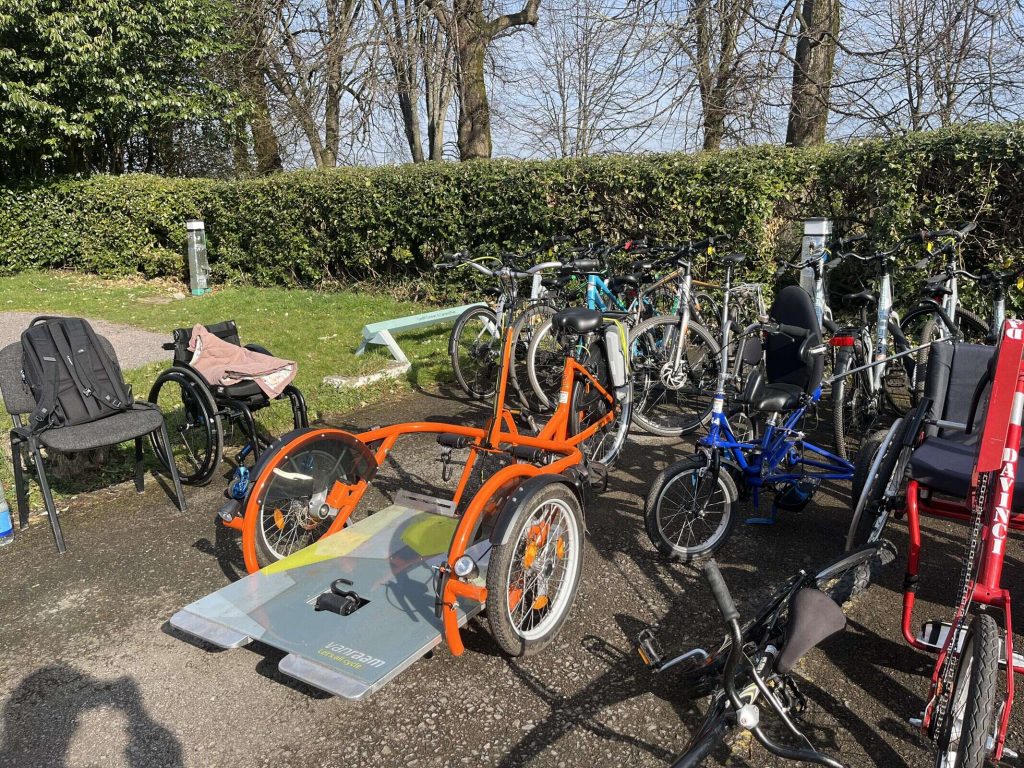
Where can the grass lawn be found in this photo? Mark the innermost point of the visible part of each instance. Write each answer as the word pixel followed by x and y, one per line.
pixel 320 330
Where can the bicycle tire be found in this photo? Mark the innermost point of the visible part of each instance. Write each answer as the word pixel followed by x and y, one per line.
pixel 605 445
pixel 978 670
pixel 482 382
pixel 649 349
pixel 526 324
pixel 653 518
pixel 542 369
pixel 849 575
pixel 848 398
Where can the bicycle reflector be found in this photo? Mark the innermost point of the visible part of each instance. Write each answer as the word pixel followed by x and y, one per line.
pixel 843 341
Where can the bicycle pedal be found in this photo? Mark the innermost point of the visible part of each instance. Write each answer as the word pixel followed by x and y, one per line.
pixel 648 649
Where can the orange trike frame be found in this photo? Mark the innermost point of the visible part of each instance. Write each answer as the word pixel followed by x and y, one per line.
pixel 499 435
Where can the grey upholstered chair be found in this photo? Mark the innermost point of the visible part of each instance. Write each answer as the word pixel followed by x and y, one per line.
pixel 142 420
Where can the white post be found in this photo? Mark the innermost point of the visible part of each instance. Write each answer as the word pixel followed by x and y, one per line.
pixel 816 233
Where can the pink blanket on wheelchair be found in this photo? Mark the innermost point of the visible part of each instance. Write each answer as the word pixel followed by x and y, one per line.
pixel 223 363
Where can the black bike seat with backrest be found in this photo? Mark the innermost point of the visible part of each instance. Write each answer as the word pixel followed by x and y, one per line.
pixel 944 461
pixel 789 371
pixel 865 298
pixel 577 320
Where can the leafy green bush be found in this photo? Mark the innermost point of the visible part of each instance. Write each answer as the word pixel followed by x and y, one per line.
pixel 388 224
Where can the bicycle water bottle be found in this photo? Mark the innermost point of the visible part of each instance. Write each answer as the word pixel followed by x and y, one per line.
pixel 6 525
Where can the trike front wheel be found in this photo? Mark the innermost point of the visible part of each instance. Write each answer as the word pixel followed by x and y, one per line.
pixel 532 579
pixel 969 718
pixel 690 510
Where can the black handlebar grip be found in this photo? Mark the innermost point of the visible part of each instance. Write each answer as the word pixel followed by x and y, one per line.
pixel 584 265
pixel 847 241
pixel 795 331
pixel 720 591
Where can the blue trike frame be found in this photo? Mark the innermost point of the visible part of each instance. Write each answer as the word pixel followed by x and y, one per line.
pixel 780 443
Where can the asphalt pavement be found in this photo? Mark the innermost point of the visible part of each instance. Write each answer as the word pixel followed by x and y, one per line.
pixel 92 675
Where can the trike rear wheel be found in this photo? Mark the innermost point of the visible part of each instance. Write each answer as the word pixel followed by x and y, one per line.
pixel 690 512
pixel 532 579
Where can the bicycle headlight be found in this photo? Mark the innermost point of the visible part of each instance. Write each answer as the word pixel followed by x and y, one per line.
pixel 465 567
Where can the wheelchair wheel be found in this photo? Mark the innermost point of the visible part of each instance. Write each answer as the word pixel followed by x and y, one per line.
pixel 688 514
pixel 532 579
pixel 877 477
pixel 588 405
pixel 193 424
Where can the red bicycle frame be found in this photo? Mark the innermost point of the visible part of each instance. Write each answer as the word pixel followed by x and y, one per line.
pixel 998 454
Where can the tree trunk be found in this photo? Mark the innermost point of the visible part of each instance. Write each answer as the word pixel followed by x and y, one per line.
pixel 409 105
pixel 474 111
pixel 473 33
pixel 812 72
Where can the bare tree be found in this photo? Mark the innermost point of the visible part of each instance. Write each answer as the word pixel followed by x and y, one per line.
pixel 473 30
pixel 924 64
pixel 813 69
pixel 595 80
pixel 422 68
pixel 315 58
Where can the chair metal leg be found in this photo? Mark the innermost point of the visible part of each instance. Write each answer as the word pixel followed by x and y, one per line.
pixel 20 489
pixel 44 485
pixel 140 479
pixel 173 468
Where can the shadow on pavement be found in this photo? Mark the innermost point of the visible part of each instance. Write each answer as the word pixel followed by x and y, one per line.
pixel 42 716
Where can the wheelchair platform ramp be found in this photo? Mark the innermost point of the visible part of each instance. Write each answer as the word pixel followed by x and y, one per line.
pixel 387 557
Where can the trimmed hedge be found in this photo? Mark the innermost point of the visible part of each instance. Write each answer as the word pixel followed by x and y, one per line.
pixel 389 223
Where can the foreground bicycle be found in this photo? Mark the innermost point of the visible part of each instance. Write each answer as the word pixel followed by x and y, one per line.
pixel 755 661
pixel 476 338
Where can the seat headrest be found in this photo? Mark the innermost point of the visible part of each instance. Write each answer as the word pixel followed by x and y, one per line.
pixel 783 361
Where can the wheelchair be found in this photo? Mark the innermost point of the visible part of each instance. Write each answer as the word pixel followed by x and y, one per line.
pixel 924 460
pixel 197 412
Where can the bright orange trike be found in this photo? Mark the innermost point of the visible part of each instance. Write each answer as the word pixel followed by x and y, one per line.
pixel 406 575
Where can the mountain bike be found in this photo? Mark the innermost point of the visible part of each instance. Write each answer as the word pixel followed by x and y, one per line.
pixel 675 357
pixel 754 663
pixel 476 339
pixel 691 508
pixel 939 315
pixel 635 295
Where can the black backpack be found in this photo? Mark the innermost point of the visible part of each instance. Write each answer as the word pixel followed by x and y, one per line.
pixel 72 377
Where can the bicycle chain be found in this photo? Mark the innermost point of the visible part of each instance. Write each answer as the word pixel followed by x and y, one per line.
pixel 949 664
